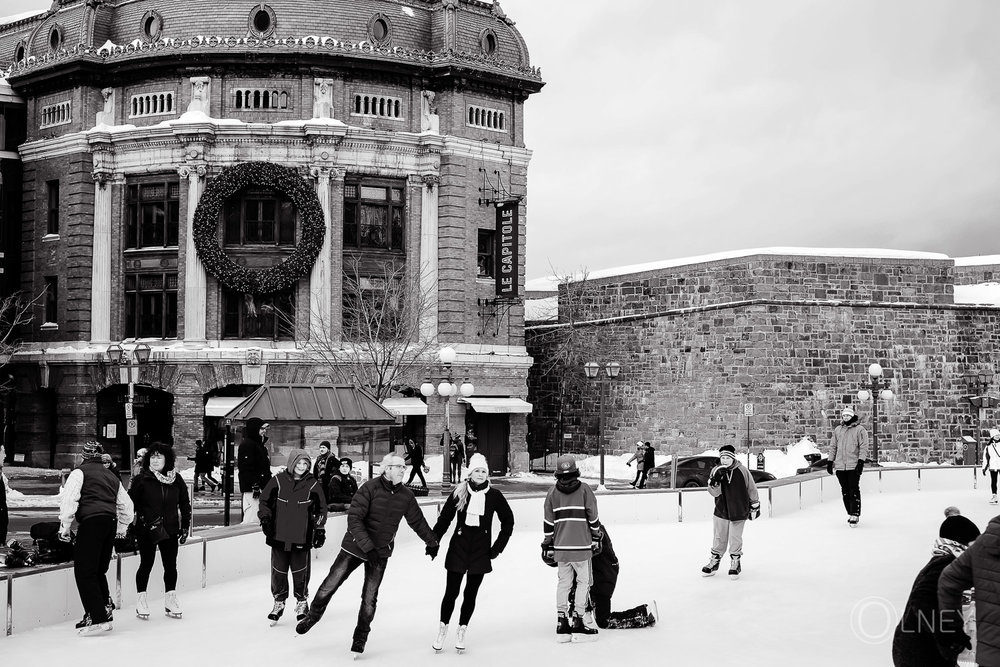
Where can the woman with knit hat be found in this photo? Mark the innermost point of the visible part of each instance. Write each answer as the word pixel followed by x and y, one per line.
pixel 914 643
pixel 848 451
pixel 992 462
pixel 471 548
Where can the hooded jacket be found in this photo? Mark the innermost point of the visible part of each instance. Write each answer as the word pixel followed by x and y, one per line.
pixel 253 459
pixel 848 445
pixel 291 509
pixel 734 493
pixel 570 521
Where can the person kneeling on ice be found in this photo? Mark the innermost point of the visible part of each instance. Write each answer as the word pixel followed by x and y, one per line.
pixel 731 484
pixel 992 462
pixel 572 534
pixel 372 520
pixel 471 549
pixel 292 514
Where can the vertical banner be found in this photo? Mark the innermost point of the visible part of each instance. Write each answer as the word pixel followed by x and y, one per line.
pixel 505 250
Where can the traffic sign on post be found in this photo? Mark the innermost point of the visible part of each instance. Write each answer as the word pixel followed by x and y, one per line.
pixel 131 427
pixel 748 409
pixel 129 411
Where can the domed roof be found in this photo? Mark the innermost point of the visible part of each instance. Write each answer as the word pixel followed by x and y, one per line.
pixel 470 33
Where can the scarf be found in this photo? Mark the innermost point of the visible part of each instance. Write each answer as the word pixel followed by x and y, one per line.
pixel 476 506
pixel 167 479
pixel 945 547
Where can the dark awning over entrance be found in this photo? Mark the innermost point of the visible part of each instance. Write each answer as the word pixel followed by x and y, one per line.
pixel 339 405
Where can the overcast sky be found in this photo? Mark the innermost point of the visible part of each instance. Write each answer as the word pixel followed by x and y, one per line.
pixel 672 128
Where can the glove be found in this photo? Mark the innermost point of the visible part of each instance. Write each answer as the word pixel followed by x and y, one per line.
pixel 754 510
pixel 717 476
pixel 548 555
pixel 256 492
pixel 597 547
pixel 629 464
pixel 432 550
pixel 267 527
pixel 494 552
pixel 829 467
pixel 319 538
pixel 952 643
pixel 64 536
pixel 183 536
pixel 984 472
pixel 859 468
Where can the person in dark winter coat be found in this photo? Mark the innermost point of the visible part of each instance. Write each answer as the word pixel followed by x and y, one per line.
pixel 325 466
pixel 415 455
pixel 572 534
pixel 163 520
pixel 292 515
pixel 735 493
pixel 342 487
pixel 848 452
pixel 471 549
pixel 254 462
pixel 376 510
pixel 205 457
pixel 648 463
pixel 96 499
pixel 605 579
pixel 4 517
pixel 457 457
pixel 914 643
pixel 977 567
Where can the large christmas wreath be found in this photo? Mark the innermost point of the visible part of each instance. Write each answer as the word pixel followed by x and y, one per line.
pixel 206 223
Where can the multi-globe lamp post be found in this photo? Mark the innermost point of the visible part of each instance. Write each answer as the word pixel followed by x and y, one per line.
pixel 129 362
pixel 876 388
pixel 592 369
pixel 446 388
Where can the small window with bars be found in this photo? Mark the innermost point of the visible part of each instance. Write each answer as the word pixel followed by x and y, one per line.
pixel 152 214
pixel 378 106
pixel 489 119
pixel 60 113
pixel 151 104
pixel 261 99
pixel 151 305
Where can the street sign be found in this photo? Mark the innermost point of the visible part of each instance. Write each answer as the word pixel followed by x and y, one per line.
pixel 567 436
pixel 129 410
pixel 131 427
pixel 748 409
pixel 111 431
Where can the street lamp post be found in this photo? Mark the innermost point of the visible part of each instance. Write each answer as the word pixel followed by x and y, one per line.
pixel 876 388
pixel 978 386
pixel 446 388
pixel 593 371
pixel 129 363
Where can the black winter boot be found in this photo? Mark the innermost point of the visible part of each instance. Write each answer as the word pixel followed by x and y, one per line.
pixel 581 633
pixel 563 632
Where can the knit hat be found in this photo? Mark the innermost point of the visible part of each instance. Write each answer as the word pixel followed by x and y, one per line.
pixel 959 529
pixel 92 450
pixel 995 434
pixel 847 413
pixel 727 450
pixel 478 461
pixel 566 465
pixel 347 461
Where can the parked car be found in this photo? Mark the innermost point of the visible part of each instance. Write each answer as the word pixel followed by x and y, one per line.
pixel 817 465
pixel 692 471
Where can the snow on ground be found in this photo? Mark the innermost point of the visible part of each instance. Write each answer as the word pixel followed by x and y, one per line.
pixel 813 591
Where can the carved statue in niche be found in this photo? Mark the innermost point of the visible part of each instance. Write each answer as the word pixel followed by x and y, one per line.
pixel 323 98
pixel 199 94
pixel 107 116
pixel 429 121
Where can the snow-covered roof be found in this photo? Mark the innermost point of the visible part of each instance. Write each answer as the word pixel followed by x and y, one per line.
pixel 981 294
pixel 14 18
pixel 977 260
pixel 541 310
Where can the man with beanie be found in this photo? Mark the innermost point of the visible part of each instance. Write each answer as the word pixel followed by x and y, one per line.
pixel 376 510
pixel 992 462
pixel 96 499
pixel 914 643
pixel 848 452
pixel 572 532
pixel 254 462
pixel 735 493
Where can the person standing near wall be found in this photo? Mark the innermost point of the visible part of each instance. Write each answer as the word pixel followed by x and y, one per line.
pixel 638 457
pixel 96 499
pixel 254 463
pixel 648 463
pixel 848 452
pixel 992 462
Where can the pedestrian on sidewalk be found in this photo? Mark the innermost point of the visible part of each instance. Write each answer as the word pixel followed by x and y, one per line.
pixel 96 499
pixel 343 486
pixel 254 462
pixel 415 455
pixel 914 643
pixel 571 535
pixel 735 493
pixel 292 516
pixel 848 452
pixel 372 521
pixel 648 463
pixel 992 462
pixel 639 457
pixel 204 464
pixel 163 521
pixel 471 549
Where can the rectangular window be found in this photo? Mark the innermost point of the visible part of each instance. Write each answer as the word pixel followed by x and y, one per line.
pixel 151 305
pixel 152 214
pixel 52 205
pixel 373 308
pixel 270 316
pixel 374 215
pixel 51 299
pixel 259 217
pixel 484 254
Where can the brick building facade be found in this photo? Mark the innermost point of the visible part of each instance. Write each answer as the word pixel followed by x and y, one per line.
pixel 391 111
pixel 791 332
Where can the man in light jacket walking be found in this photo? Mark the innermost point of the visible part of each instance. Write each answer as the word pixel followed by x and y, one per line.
pixel 848 452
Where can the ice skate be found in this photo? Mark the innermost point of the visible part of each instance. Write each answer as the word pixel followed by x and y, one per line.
pixel 993 499
pixel 301 609
pixel 713 565
pixel 734 567
pixel 142 606
pixel 171 606
pixel 654 613
pixel 276 612
pixel 441 636
pixel 580 632
pixel 94 629
pixel 460 638
pixel 853 520
pixel 563 632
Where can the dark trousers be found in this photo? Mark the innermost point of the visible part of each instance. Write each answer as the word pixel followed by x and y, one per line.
pixel 147 556
pixel 850 490
pixel 416 470
pixel 637 617
pixel 638 474
pixel 472 583
pixel 456 470
pixel 300 565
pixel 95 538
pixel 993 481
pixel 342 567
pixel 641 476
pixel 206 479
pixel 4 517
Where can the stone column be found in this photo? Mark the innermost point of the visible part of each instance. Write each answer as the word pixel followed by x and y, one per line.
pixel 195 283
pixel 320 325
pixel 429 256
pixel 100 295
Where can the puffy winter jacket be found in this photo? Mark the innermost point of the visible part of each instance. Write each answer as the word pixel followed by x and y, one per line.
pixel 848 445
pixel 913 644
pixel 154 499
pixel 374 516
pixel 978 567
pixel 570 521
pixel 734 493
pixel 292 507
